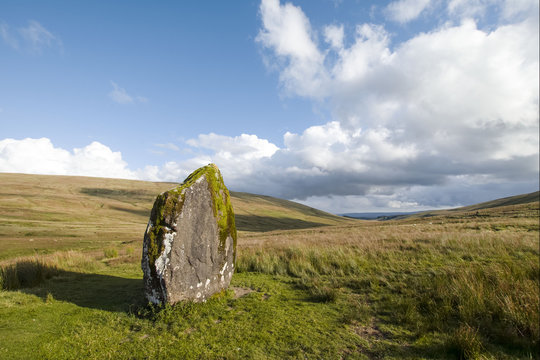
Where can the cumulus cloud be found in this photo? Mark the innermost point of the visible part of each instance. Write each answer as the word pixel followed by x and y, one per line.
pixel 404 11
pixel 446 118
pixel 333 35
pixel 40 156
pixel 287 31
pixel 456 102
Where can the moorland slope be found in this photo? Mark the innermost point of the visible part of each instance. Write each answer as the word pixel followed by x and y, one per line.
pixel 44 213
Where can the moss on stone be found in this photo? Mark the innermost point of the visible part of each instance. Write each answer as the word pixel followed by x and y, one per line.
pixel 166 207
pixel 169 204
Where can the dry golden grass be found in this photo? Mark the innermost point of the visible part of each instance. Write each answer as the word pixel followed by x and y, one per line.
pixel 504 226
pixel 40 213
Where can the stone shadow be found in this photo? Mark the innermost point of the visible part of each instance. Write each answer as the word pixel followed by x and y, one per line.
pixel 96 291
pixel 269 223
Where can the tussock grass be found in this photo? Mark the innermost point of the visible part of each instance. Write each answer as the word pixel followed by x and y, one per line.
pixel 26 273
pixel 465 343
pixel 477 288
pixel 31 271
pixel 110 252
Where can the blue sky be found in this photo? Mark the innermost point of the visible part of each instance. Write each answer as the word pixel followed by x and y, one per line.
pixel 343 105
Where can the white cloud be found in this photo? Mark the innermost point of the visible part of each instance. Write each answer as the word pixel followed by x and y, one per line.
pixel 333 35
pixel 457 102
pixel 7 37
pixel 40 156
pixel 37 36
pixel 516 8
pixel 33 38
pixel 168 146
pixel 469 8
pixel 403 11
pixel 238 157
pixel 288 33
pixel 120 95
pixel 243 147
pixel 446 118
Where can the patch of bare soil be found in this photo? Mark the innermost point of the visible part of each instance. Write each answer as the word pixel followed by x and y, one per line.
pixel 368 331
pixel 241 291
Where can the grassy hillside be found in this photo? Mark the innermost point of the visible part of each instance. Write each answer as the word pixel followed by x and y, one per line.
pixel 507 201
pixel 461 285
pixel 41 213
pixel 474 210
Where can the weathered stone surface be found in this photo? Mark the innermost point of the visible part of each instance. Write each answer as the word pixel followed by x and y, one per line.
pixel 189 245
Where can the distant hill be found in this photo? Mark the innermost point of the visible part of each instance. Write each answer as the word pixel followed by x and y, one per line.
pixel 376 215
pixel 266 213
pixel 507 201
pixel 511 200
pixel 45 213
pixel 493 204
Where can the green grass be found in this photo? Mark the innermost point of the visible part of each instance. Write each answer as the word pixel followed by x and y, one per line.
pixel 92 316
pixel 427 292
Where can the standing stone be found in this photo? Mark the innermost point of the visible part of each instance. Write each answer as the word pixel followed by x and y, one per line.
pixel 189 247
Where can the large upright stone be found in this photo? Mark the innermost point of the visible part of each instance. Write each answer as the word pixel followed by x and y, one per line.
pixel 189 246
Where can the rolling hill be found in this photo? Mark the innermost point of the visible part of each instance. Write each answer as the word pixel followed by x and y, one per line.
pixel 497 204
pixel 41 213
pixel 506 201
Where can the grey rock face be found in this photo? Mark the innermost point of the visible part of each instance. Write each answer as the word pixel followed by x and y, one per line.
pixel 190 241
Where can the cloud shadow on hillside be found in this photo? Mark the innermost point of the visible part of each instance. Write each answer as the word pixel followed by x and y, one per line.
pixel 96 291
pixel 139 212
pixel 268 223
pixel 119 194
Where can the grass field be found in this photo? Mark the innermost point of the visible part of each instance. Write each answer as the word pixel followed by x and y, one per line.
pixel 310 285
pixel 42 214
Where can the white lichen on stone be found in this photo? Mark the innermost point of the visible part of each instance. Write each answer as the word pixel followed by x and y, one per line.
pixel 223 269
pixel 163 260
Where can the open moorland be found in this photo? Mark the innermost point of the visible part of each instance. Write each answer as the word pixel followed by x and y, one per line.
pixel 440 285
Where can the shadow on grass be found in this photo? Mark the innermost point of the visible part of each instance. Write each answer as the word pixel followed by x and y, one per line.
pixel 139 212
pixel 119 194
pixel 268 223
pixel 102 292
